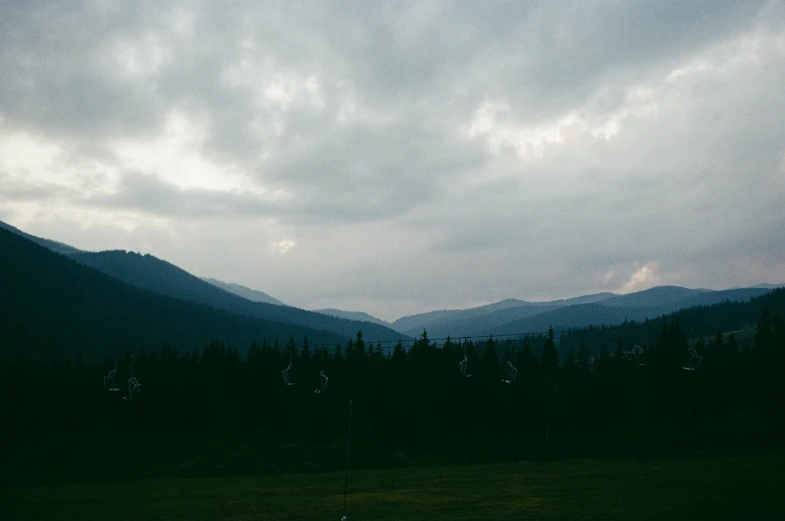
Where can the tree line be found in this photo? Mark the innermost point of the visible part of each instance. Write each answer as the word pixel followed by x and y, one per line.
pixel 216 412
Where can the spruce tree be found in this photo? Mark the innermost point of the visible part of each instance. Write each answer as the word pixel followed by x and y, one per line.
pixel 550 356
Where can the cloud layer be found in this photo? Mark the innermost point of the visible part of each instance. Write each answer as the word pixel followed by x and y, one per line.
pixel 409 156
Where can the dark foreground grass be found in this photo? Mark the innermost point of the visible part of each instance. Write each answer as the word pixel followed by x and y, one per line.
pixel 746 487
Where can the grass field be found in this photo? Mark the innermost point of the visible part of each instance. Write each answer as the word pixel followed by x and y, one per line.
pixel 729 487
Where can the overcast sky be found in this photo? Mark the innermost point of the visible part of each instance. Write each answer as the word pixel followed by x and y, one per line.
pixel 395 157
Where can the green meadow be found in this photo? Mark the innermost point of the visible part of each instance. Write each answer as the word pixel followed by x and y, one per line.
pixel 746 487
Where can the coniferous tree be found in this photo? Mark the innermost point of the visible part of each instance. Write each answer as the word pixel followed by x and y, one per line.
pixel 583 358
pixel 550 356
pixel 490 363
pixel 234 407
pixel 359 345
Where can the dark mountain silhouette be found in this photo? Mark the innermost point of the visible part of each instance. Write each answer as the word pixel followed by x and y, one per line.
pixel 510 317
pixel 56 307
pixel 438 323
pixel 697 323
pixel 150 273
pixel 583 299
pixel 358 316
pixel 242 291
pixel 153 274
pixel 419 321
pixel 468 322
pixel 57 247
pixel 468 325
pixel 656 296
pixel 600 313
pixel 708 298
pixel 567 317
pixel 768 286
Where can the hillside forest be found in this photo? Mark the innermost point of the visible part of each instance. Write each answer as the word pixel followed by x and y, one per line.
pixel 218 411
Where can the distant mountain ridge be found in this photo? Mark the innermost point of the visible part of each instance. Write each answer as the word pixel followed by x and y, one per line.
pixel 153 274
pixel 656 296
pixel 359 316
pixel 767 286
pixel 57 247
pixel 60 308
pixel 511 316
pixel 413 323
pixel 247 293
pixel 156 275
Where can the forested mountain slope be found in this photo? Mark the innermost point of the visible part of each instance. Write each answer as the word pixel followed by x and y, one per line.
pixel 153 274
pixel 359 316
pixel 253 295
pixel 57 247
pixel 696 322
pixel 56 307
pixel 512 317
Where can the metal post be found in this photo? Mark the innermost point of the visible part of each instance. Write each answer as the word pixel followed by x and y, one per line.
pixel 348 447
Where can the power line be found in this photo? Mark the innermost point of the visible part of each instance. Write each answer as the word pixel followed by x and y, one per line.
pixel 443 340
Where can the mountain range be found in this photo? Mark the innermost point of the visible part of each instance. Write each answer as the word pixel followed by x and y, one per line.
pixel 153 274
pixel 507 317
pixel 512 317
pixel 57 247
pixel 247 293
pixel 156 275
pixel 354 315
pixel 55 307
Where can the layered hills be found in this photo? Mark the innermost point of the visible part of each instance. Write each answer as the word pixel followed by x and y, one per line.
pixel 507 317
pixel 247 293
pixel 512 317
pixel 57 307
pixel 153 274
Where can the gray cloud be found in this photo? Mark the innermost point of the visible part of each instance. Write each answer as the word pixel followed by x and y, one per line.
pixel 13 190
pixel 394 132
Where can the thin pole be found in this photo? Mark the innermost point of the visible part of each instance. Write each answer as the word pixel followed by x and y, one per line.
pixel 348 447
